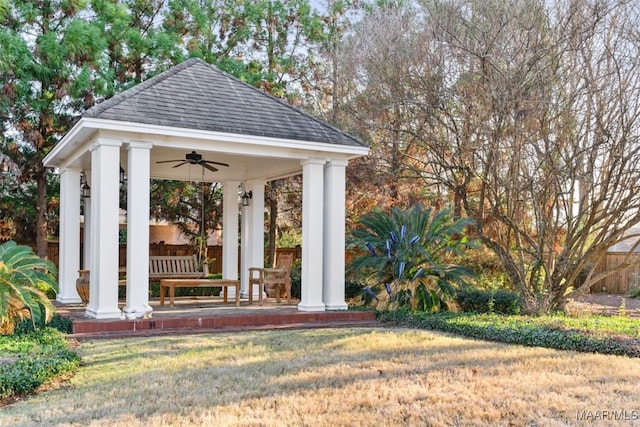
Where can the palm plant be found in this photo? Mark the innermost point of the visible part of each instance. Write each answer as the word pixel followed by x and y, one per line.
pixel 24 279
pixel 408 254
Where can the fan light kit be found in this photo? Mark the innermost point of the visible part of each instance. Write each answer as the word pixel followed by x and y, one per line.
pixel 194 158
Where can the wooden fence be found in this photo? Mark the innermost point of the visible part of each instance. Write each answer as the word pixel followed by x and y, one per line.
pixel 622 281
pixel 214 254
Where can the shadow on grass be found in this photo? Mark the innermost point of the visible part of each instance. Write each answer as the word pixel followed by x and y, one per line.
pixel 165 375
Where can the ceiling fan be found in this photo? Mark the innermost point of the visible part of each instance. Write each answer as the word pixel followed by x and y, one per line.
pixel 194 158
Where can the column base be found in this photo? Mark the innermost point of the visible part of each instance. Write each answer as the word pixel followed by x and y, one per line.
pixel 337 306
pixel 103 314
pixel 307 307
pixel 143 311
pixel 68 300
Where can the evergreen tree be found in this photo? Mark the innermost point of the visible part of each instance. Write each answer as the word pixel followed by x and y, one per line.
pixel 48 53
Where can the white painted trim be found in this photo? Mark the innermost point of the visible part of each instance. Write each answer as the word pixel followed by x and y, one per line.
pixel 153 131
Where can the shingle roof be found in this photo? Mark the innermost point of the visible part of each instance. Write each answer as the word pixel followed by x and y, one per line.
pixel 197 95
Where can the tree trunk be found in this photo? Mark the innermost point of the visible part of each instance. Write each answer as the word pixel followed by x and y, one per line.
pixel 41 212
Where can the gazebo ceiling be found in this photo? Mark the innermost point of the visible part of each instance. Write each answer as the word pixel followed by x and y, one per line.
pixel 241 167
pixel 195 106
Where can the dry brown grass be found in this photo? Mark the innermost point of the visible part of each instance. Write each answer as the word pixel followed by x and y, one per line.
pixel 355 377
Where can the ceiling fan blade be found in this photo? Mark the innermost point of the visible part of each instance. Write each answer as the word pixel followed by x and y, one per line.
pixel 170 161
pixel 214 163
pixel 180 164
pixel 211 168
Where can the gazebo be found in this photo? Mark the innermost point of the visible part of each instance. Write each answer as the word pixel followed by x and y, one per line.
pixel 196 107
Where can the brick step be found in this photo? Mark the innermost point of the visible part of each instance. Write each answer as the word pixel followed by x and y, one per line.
pixel 116 328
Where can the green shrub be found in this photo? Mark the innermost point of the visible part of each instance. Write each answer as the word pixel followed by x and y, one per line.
pixel 61 323
pixel 39 355
pixel 551 332
pixel 154 289
pixel 296 279
pixel 488 301
pixel 352 289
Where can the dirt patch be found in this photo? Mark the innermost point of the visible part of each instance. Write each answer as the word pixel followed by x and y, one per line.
pixel 607 304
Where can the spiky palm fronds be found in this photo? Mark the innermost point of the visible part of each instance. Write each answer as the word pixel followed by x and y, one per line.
pixel 24 279
pixel 406 252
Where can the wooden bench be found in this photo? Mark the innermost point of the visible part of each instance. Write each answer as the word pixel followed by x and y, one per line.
pixel 176 267
pixel 172 284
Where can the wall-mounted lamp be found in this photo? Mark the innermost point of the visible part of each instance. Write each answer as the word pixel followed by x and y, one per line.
pixel 246 197
pixel 85 190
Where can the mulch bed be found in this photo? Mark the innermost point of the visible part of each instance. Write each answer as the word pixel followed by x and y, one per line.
pixel 607 304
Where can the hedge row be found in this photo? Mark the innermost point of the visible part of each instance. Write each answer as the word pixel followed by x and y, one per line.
pixel 498 301
pixel 33 358
pixel 521 330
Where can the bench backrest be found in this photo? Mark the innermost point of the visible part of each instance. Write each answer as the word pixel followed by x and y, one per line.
pixel 171 267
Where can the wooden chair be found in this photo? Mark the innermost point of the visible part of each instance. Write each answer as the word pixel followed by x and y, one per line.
pixel 278 276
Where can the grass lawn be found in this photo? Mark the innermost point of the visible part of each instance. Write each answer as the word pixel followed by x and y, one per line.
pixel 328 377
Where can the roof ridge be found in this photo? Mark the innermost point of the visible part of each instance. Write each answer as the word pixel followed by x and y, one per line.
pixel 139 87
pixel 289 106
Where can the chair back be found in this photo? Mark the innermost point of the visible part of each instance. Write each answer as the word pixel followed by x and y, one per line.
pixel 284 261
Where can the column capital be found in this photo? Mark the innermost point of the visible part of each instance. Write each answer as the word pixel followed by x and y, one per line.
pixel 313 161
pixel 337 162
pixel 105 142
pixel 70 170
pixel 231 183
pixel 139 144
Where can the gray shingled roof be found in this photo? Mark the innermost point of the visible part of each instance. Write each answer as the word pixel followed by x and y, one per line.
pixel 196 95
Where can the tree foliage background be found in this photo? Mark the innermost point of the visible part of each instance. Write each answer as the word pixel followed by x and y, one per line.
pixel 521 114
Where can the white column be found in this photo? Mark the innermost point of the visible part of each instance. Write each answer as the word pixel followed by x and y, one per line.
pixel 256 227
pixel 139 172
pixel 312 231
pixel 230 232
pixel 103 261
pixel 87 232
pixel 334 240
pixel 244 250
pixel 69 236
